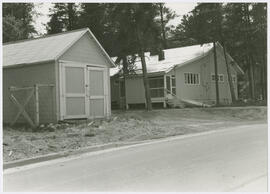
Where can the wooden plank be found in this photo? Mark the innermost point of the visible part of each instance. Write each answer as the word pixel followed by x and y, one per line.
pixel 21 110
pixel 12 88
pixel 45 85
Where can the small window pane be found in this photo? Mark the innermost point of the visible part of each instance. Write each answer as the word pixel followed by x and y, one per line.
pixel 168 83
pixel 174 91
pixel 221 78
pixel 190 78
pixel 156 82
pixel 156 93
pixel 173 82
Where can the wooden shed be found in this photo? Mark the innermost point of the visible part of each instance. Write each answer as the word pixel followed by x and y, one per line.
pixel 57 77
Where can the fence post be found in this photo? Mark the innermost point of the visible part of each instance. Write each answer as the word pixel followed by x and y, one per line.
pixel 36 106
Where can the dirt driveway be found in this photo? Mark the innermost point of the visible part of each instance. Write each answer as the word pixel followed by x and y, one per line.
pixel 126 126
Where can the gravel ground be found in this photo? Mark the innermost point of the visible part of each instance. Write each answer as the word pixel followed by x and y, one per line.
pixel 23 142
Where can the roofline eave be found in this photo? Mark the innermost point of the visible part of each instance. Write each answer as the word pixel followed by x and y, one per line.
pixel 27 64
pixel 58 56
pixel 102 49
pixel 190 61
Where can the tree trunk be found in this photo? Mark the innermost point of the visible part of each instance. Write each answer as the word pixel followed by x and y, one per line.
pixel 229 75
pixel 250 78
pixel 125 72
pixel 216 74
pixel 70 25
pixel 265 76
pixel 249 57
pixel 162 26
pixel 262 82
pixel 264 68
pixel 145 76
pixel 146 83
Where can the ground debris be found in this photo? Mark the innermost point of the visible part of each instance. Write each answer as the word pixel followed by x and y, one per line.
pixel 10 153
pixel 128 126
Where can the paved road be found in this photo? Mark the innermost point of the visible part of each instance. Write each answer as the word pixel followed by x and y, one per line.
pixel 231 160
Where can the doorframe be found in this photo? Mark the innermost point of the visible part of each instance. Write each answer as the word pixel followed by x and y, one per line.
pixel 62 86
pixel 105 87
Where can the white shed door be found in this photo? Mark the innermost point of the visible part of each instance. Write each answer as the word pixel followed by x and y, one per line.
pixel 74 91
pixel 97 92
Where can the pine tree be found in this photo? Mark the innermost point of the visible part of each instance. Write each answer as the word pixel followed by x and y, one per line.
pixel 63 17
pixel 18 21
pixel 136 32
pixel 166 15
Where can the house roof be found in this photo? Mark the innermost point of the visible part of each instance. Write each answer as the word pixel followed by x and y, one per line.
pixel 43 49
pixel 175 57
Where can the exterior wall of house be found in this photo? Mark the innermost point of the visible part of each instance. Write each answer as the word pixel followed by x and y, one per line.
pixel 29 76
pixel 135 90
pixel 224 88
pixel 82 52
pixel 204 91
pixel 189 91
pixel 135 93
pixel 115 93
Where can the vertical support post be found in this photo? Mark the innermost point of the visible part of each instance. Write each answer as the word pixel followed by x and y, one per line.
pixel 36 105
pixel 165 92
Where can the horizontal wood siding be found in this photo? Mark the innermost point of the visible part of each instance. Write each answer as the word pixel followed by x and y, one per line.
pixel 115 89
pixel 224 88
pixel 135 90
pixel 29 76
pixel 188 91
pixel 85 50
pixel 205 91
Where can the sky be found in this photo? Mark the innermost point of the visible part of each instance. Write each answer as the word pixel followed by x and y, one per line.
pixel 180 8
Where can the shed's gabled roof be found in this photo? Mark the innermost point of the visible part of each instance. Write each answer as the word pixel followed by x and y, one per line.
pixel 43 49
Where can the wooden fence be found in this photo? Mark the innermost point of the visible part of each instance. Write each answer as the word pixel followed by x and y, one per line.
pixel 34 92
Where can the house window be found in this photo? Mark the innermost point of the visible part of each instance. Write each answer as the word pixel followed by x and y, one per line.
pixel 168 83
pixel 156 85
pixel 192 78
pixel 234 78
pixel 173 85
pixel 220 77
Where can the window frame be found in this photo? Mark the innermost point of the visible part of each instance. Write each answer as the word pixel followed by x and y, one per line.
pixel 234 78
pixel 219 75
pixel 173 87
pixel 192 78
pixel 157 88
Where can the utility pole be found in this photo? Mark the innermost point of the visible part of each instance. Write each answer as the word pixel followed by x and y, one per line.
pixel 216 74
